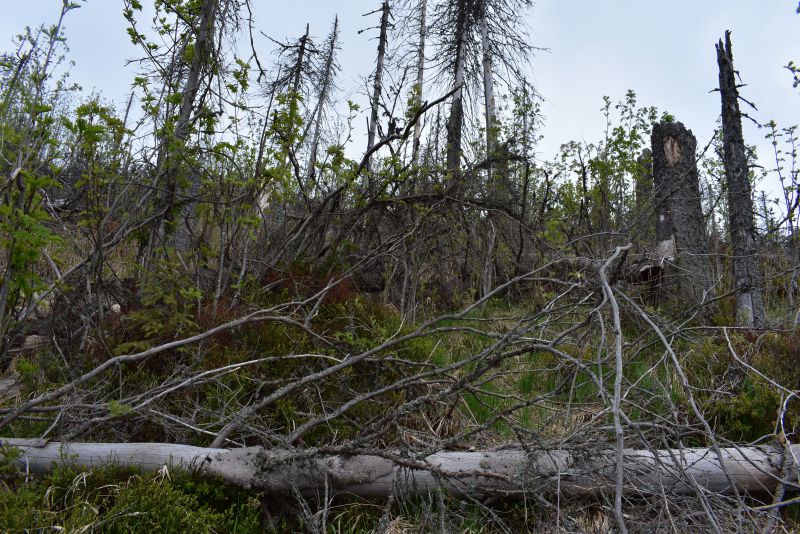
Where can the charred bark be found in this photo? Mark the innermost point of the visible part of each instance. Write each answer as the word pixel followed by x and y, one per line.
pixel 682 243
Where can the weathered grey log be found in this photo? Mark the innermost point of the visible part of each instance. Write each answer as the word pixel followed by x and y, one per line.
pixel 750 309
pixel 502 472
pixel 682 243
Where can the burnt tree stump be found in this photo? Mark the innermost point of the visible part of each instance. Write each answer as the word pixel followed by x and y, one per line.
pixel 681 241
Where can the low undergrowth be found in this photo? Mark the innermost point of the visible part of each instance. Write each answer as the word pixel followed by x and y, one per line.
pixel 535 395
pixel 116 500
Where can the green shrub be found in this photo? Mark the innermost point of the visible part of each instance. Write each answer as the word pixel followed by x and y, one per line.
pixel 116 500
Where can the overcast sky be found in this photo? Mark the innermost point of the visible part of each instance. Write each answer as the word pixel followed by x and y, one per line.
pixel 662 50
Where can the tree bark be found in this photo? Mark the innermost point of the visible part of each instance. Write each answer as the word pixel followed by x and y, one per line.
pixel 423 32
pixel 682 243
pixel 326 83
pixel 298 67
pixel 750 310
pixel 502 472
pixel 487 273
pixel 644 197
pixel 377 87
pixel 488 87
pixel 201 60
pixel 455 123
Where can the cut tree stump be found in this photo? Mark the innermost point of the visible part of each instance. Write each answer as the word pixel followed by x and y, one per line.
pixel 501 472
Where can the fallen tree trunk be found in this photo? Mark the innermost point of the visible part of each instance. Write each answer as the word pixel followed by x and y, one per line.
pixel 501 472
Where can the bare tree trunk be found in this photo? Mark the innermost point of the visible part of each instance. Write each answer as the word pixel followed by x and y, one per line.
pixel 377 87
pixel 455 124
pixel 523 219
pixel 750 310
pixel 502 472
pixel 201 58
pixel 488 88
pixel 324 92
pixel 487 278
pixel 491 145
pixel 716 273
pixel 794 256
pixel 295 87
pixel 680 227
pixel 423 32
pixel 526 186
pixel 298 68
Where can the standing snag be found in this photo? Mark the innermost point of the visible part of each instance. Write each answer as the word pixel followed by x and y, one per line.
pixel 455 124
pixel 326 78
pixel 682 244
pixel 377 88
pixel 750 311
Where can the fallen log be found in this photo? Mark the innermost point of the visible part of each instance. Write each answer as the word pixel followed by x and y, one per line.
pixel 502 472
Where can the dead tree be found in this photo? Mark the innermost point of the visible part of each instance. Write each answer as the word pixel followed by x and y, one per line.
pixel 326 80
pixel 490 108
pixel 202 66
pixel 377 84
pixel 503 472
pixel 423 33
pixel 296 71
pixel 682 244
pixel 488 83
pixel 301 62
pixel 455 123
pixel 747 277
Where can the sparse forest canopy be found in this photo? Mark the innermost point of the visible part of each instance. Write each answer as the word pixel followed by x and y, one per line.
pixel 244 302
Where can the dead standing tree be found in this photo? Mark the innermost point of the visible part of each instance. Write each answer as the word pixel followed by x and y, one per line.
pixel 377 85
pixel 747 276
pixel 682 244
pixel 327 84
pixel 461 14
pixel 423 33
pixel 195 64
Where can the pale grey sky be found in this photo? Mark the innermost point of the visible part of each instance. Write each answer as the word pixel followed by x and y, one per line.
pixel 662 50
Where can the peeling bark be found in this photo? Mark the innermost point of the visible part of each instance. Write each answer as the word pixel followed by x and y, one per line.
pixel 501 472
